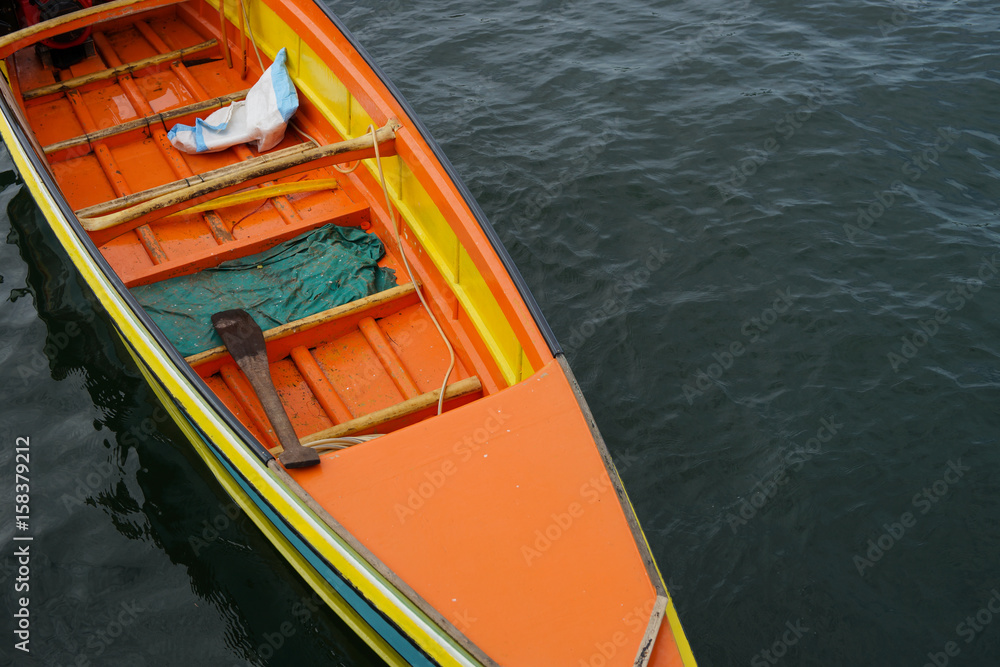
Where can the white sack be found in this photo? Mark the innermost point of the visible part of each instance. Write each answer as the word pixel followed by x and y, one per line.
pixel 261 117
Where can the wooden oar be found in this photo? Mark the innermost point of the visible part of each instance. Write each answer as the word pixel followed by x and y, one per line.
pixel 245 342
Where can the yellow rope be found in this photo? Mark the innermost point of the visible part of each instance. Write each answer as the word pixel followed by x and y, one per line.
pixel 346 171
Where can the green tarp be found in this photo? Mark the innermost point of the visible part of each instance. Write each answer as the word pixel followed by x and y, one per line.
pixel 306 275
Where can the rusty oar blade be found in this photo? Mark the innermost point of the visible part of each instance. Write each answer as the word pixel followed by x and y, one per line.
pixel 245 342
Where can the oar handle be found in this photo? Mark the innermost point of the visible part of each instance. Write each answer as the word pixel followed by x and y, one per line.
pixel 259 375
pixel 245 342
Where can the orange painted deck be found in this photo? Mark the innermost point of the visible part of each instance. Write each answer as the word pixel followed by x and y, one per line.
pixel 466 508
pixel 502 513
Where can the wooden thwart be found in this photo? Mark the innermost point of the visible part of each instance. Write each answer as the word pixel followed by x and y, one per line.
pixel 139 123
pixel 237 176
pixel 458 389
pixel 312 321
pixel 111 73
pixel 81 19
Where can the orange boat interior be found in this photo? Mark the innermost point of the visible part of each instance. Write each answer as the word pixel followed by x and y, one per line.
pixel 503 495
pixel 347 367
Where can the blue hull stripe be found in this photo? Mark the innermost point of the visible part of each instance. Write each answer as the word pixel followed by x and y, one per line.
pixel 399 642
pixel 378 623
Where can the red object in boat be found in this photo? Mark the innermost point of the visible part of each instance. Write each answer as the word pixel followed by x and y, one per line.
pixel 36 11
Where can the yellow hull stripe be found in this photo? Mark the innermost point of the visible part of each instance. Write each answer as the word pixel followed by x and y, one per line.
pixel 680 639
pixel 237 493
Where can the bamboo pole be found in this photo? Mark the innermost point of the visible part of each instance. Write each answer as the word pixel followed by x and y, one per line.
pixel 113 72
pixel 243 174
pixel 81 19
pixel 145 195
pixel 276 190
pixel 407 408
pixel 146 121
pixel 224 33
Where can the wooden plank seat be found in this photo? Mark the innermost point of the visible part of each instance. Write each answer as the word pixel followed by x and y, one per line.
pixel 299 339
pixel 381 418
pixel 145 122
pixel 115 72
pixel 310 331
pixel 188 255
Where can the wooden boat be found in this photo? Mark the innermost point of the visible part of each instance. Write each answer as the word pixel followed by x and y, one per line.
pixel 484 527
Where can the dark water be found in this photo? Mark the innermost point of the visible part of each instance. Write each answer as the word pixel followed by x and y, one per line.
pixel 766 234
